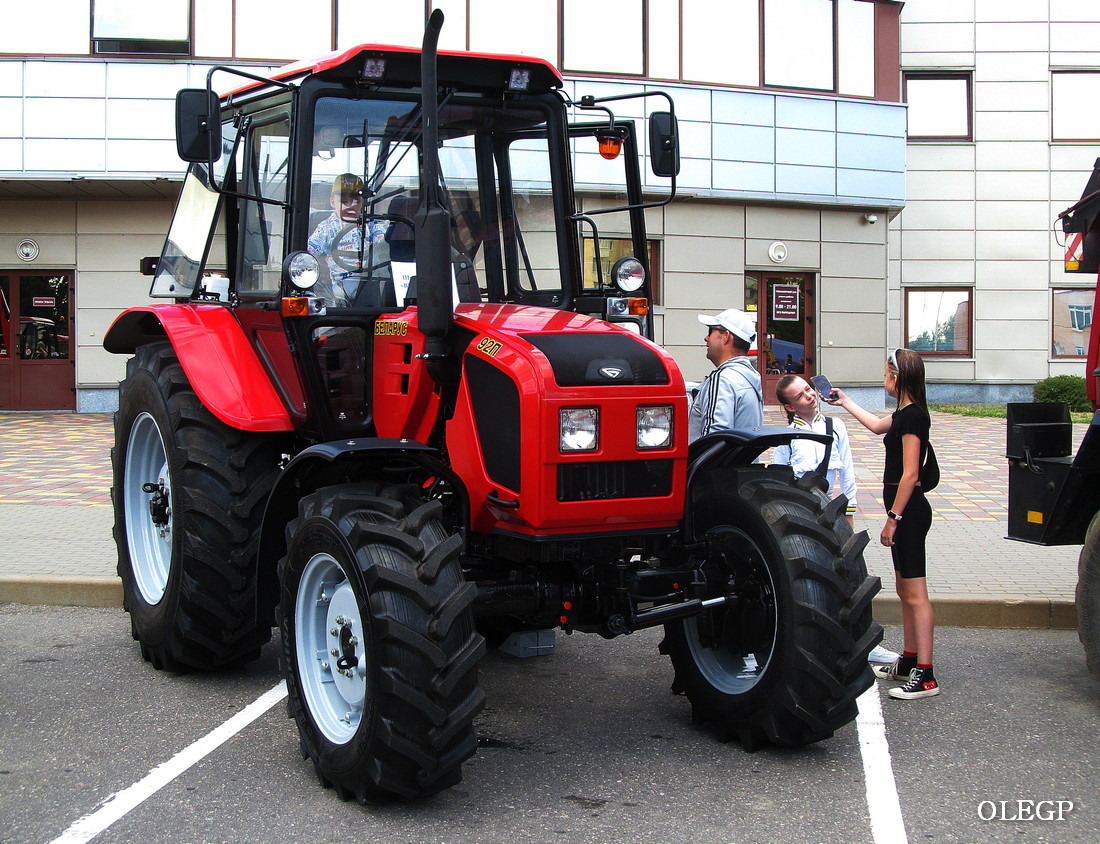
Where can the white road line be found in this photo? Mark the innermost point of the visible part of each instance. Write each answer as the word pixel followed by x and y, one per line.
pixel 887 826
pixel 119 804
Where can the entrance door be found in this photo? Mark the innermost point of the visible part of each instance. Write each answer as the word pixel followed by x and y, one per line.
pixel 784 327
pixel 36 363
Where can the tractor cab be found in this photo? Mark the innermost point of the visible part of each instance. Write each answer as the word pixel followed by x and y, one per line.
pixel 336 192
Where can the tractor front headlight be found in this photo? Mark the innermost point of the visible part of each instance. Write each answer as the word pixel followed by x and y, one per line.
pixel 579 429
pixel 655 426
pixel 302 270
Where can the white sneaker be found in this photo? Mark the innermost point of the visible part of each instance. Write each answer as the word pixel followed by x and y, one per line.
pixel 883 656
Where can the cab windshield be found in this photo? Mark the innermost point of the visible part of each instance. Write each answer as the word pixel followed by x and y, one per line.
pixel 495 179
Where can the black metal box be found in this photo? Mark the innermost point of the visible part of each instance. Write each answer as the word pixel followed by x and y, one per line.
pixel 1039 429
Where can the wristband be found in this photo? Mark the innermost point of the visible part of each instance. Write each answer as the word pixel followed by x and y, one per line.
pixel 890 514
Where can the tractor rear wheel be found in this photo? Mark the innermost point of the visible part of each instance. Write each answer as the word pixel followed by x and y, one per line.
pixel 379 648
pixel 1088 596
pixel 784 659
pixel 188 494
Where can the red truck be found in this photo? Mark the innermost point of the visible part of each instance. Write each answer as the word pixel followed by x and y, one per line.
pixel 1054 494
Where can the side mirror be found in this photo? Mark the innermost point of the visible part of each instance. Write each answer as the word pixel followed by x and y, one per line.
pixel 664 143
pixel 198 125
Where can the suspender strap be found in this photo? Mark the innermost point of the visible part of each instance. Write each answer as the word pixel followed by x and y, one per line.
pixel 824 465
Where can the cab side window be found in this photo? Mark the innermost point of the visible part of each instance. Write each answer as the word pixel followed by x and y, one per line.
pixel 263 223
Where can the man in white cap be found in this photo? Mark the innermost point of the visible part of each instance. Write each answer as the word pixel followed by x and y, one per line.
pixel 730 397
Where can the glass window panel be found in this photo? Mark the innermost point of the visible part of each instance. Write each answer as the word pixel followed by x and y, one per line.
pixel 493 28
pixel 586 45
pixel 856 48
pixel 1072 115
pixel 264 223
pixel 60 26
pixel 939 107
pixel 262 31
pixel 402 24
pixel 798 44
pixel 721 41
pixel 938 322
pixel 663 49
pixel 165 20
pixel 213 28
pixel 1072 321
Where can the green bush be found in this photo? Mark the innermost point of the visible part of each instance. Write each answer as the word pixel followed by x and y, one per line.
pixel 1067 388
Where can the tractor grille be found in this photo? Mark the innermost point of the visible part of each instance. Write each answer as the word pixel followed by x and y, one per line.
pixel 616 479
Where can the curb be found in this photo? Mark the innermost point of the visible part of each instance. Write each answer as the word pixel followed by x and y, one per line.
pixel 61 591
pixel 952 611
pixel 984 611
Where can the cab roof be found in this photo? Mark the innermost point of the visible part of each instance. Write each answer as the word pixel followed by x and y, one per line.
pixel 402 68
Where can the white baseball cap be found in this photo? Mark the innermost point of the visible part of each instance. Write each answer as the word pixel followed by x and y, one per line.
pixel 733 320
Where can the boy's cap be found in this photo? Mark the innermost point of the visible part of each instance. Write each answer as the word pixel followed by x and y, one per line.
pixel 347 183
pixel 734 321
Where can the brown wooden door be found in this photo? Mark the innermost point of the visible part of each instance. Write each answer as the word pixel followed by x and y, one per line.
pixel 36 348
pixel 784 325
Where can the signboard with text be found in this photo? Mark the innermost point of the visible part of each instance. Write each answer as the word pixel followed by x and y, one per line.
pixel 785 307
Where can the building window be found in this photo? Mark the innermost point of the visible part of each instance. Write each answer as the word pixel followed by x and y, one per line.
pixel 611 250
pixel 837 46
pixel 938 321
pixel 1071 321
pixel 138 26
pixel 587 47
pixel 1071 93
pixel 939 106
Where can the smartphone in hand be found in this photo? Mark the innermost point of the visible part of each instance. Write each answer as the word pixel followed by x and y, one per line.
pixel 823 387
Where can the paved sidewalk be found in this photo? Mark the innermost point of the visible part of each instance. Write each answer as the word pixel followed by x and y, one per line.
pixel 56 544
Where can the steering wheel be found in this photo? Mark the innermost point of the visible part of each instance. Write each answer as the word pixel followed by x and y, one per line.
pixel 346 259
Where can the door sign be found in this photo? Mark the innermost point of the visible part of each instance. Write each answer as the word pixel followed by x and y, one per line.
pixel 785 303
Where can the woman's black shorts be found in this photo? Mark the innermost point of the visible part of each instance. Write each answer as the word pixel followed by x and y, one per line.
pixel 908 548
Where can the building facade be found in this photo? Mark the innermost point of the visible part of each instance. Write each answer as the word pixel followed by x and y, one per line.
pixel 1003 133
pixel 793 160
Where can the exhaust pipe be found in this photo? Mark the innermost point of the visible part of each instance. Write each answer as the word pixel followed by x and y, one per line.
pixel 435 308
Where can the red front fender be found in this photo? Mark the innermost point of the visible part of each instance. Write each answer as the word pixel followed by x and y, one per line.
pixel 216 356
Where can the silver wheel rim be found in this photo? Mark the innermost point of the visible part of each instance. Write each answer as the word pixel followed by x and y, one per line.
pixel 728 672
pixel 147 507
pixel 328 634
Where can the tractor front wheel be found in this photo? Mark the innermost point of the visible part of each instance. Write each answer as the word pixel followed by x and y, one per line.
pixel 785 657
pixel 379 648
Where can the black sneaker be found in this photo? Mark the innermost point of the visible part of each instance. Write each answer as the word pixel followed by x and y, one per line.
pixel 921 684
pixel 899 669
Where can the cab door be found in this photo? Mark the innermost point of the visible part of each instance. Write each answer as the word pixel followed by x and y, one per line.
pixel 36 350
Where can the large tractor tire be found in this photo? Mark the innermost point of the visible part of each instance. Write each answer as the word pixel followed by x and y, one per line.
pixel 1088 596
pixel 379 648
pixel 784 660
pixel 189 494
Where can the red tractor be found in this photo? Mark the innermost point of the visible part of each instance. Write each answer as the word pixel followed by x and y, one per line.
pixel 388 411
pixel 1054 495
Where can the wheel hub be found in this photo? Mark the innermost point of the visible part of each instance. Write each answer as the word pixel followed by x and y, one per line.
pixel 160 509
pixel 332 661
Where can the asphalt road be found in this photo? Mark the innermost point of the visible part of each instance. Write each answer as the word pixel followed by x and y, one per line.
pixel 587 745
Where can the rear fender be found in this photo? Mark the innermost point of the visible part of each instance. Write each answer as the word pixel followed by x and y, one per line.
pixel 216 356
pixel 344 462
